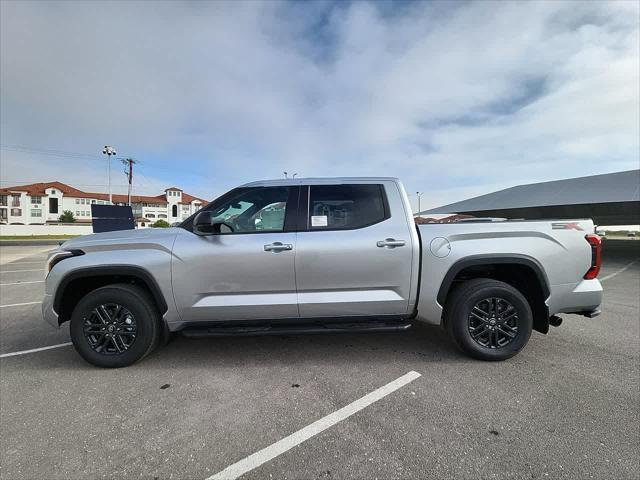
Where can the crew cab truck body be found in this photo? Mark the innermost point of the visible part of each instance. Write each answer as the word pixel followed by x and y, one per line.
pixel 320 255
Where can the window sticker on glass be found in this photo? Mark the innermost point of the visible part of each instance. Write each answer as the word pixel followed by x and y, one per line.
pixel 319 221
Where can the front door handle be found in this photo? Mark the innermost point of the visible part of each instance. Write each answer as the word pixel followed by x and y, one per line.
pixel 277 247
pixel 390 242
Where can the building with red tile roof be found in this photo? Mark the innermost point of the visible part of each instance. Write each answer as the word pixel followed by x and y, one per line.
pixel 44 202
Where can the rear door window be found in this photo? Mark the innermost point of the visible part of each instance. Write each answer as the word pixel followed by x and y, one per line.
pixel 346 207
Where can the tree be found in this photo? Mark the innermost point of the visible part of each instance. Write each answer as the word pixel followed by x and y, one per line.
pixel 67 217
pixel 161 224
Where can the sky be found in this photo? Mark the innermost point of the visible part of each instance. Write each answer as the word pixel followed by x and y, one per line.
pixel 455 98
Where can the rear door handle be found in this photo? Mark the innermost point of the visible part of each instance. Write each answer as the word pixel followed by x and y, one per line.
pixel 390 242
pixel 277 247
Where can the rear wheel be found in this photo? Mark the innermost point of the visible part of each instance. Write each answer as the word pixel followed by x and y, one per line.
pixel 115 326
pixel 488 319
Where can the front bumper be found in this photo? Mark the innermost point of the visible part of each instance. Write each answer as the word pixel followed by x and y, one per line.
pixel 48 313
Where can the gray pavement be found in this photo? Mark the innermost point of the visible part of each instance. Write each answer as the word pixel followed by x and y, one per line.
pixel 13 254
pixel 566 407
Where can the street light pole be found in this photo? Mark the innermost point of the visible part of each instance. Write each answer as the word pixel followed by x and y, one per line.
pixel 419 194
pixel 109 151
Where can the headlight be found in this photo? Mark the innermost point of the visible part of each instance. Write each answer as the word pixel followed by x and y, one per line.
pixel 59 255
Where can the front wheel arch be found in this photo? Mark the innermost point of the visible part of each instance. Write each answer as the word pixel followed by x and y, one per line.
pixel 78 283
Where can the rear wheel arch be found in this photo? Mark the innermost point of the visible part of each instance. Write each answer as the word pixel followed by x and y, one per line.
pixel 78 283
pixel 522 272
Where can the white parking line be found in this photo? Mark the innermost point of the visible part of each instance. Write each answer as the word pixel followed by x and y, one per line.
pixel 619 271
pixel 18 271
pixel 20 283
pixel 33 350
pixel 26 263
pixel 19 304
pixel 269 453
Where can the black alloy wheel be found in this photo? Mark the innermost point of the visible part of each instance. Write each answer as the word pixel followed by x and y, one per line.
pixel 493 322
pixel 110 329
pixel 115 325
pixel 488 319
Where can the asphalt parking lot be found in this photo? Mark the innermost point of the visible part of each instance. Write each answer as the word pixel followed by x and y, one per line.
pixel 567 407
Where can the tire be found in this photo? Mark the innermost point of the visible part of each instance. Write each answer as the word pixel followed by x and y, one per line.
pixel 499 335
pixel 131 317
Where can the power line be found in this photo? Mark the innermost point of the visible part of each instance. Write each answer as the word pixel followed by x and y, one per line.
pixel 54 153
pixel 45 150
pixel 149 168
pixel 170 170
pixel 26 182
pixel 144 180
pixel 75 155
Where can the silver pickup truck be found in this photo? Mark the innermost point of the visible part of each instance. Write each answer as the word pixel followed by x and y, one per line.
pixel 320 255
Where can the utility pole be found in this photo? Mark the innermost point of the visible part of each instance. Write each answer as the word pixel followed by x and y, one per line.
pixel 419 194
pixel 109 151
pixel 129 174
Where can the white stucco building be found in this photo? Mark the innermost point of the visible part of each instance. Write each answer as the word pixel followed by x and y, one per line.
pixel 41 203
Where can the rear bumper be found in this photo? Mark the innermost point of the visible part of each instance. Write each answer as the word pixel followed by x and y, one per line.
pixel 583 298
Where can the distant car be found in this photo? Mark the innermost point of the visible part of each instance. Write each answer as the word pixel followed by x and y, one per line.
pixel 632 233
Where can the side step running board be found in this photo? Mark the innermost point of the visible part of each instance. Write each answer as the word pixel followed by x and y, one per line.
pixel 293 329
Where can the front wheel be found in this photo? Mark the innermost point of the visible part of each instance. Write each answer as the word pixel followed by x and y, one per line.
pixel 488 319
pixel 115 326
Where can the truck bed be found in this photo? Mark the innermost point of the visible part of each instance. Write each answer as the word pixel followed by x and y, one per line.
pixel 543 245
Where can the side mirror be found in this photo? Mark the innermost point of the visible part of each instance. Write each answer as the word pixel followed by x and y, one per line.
pixel 203 224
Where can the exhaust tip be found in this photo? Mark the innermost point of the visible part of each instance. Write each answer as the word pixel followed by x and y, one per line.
pixel 593 313
pixel 555 321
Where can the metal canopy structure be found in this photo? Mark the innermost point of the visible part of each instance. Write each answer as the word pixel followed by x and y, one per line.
pixel 608 199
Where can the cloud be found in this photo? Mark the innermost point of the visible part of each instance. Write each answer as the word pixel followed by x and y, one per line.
pixel 456 99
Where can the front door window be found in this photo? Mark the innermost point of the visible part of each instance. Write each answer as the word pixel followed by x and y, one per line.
pixel 254 210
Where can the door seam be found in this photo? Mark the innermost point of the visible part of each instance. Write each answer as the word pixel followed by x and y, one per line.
pixel 295 271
